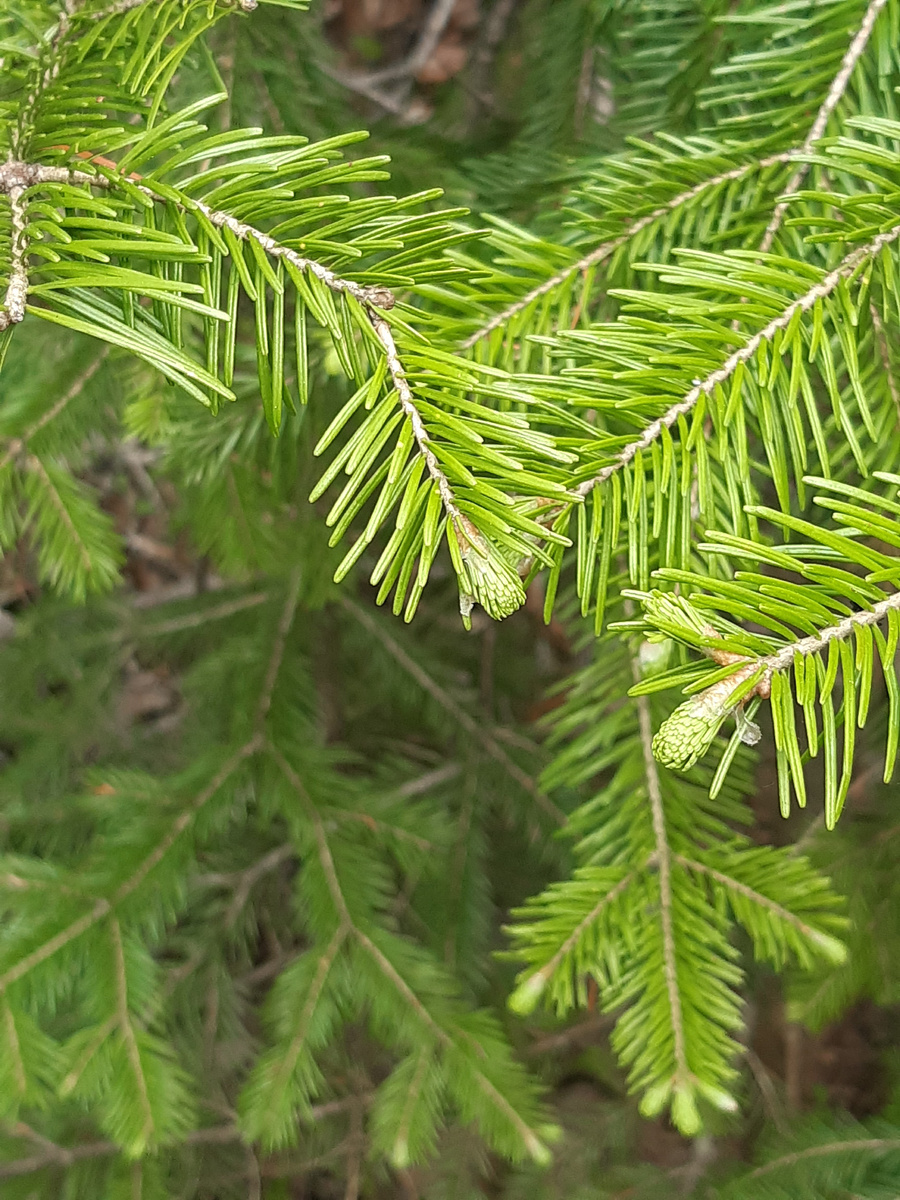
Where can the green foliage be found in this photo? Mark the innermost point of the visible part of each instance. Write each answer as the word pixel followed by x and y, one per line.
pixel 655 392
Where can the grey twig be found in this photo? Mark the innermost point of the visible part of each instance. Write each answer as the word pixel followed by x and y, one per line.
pixel 17 288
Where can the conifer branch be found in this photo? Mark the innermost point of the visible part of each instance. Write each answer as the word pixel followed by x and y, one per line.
pixel 384 964
pixel 813 645
pixel 67 1156
pixel 326 859
pixel 829 104
pixel 662 857
pixel 846 1146
pixel 535 983
pixel 185 818
pixel 70 1081
pixel 52 945
pixel 408 404
pixel 749 893
pixel 372 298
pixel 17 288
pixel 607 249
pixel 459 714
pixel 284 627
pixel 35 465
pixel 323 968
pixel 16 445
pixel 12 1039
pixel 126 1029
pixel 412 1097
pixel 104 907
pixel 681 408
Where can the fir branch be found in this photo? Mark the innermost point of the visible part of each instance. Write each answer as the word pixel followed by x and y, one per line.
pixel 681 408
pixel 35 465
pixel 17 288
pixel 607 249
pixel 70 1081
pixel 67 1156
pixel 326 859
pixel 101 909
pixel 662 857
pixel 369 297
pixel 749 893
pixel 16 445
pixel 372 299
pixel 408 404
pixel 281 633
pixel 123 1019
pixel 835 93
pixel 872 1145
pixel 781 660
pixel 387 968
pixel 534 984
pixel 184 819
pixel 459 714
pixel 323 968
pixel 12 1038
pixel 104 907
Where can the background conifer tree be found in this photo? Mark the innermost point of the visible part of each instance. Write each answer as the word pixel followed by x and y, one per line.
pixel 299 877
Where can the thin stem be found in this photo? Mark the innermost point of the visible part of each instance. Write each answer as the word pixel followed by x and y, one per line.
pixel 605 901
pixel 35 465
pixel 67 1155
pixel 812 645
pixel 412 1096
pixel 218 612
pixel 16 445
pixel 663 858
pixel 607 249
pixel 408 404
pixel 17 288
pixel 126 1028
pixel 830 103
pixel 323 968
pixel 705 387
pixel 12 1040
pixel 385 965
pixel 104 907
pixel 842 1147
pixel 472 727
pixel 284 627
pixel 749 893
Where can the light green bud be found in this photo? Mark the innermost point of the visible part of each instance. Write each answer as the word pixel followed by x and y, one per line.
pixel 687 734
